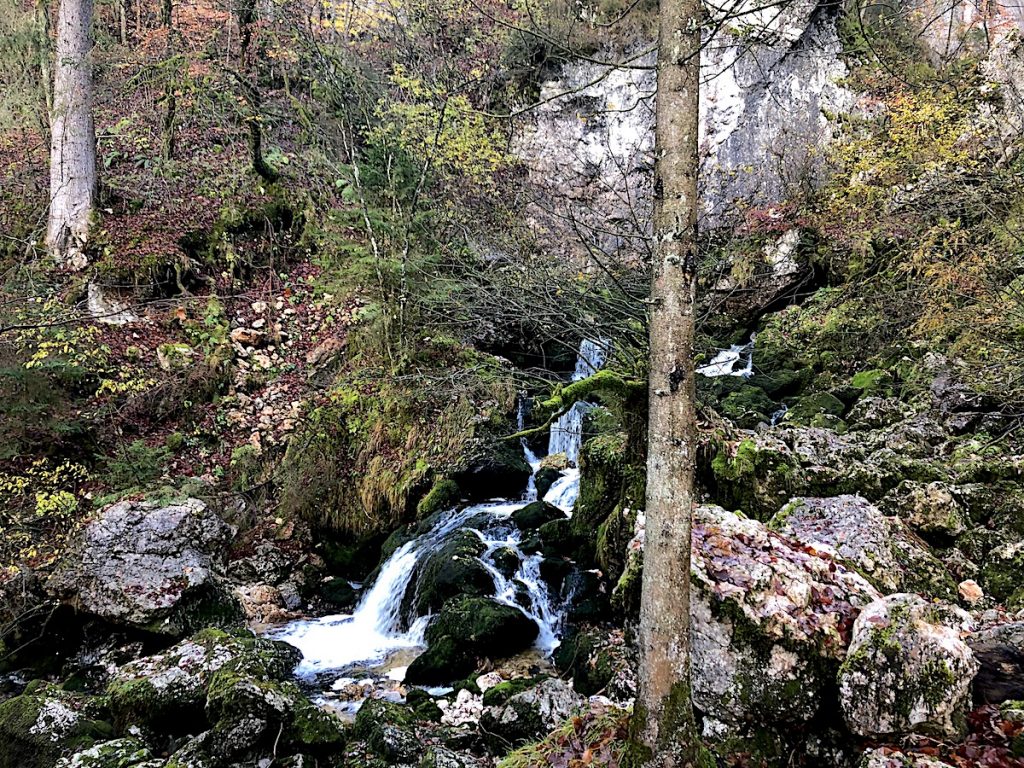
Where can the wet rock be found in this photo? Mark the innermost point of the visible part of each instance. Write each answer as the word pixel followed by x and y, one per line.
pixel 535 514
pixel 118 753
pixel 585 597
pixel 467 630
pixel 337 593
pixel 748 406
pixel 451 570
pixel 498 470
pixel 931 509
pixel 529 715
pixel 45 723
pixel 544 478
pixel 506 560
pixel 907 669
pixel 149 566
pixel 880 547
pixel 770 621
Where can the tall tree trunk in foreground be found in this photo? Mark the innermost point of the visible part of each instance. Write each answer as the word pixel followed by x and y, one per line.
pixel 664 733
pixel 72 136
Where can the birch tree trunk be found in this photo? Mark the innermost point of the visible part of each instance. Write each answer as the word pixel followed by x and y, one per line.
pixel 664 733
pixel 72 136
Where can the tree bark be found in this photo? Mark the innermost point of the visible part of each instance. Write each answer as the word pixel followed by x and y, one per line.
pixel 73 137
pixel 664 732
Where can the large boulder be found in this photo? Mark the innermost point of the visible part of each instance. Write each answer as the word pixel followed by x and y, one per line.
pixel 45 723
pixel 880 547
pixel 999 650
pixel 932 509
pixel 770 621
pixel 116 753
pixel 149 566
pixel 231 691
pixel 908 670
pixel 497 469
pixel 451 570
pixel 466 631
pixel 535 514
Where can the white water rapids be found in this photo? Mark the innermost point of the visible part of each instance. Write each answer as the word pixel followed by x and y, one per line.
pixel 738 360
pixel 376 630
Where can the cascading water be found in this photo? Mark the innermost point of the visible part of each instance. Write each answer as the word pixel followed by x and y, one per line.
pixel 377 629
pixel 738 360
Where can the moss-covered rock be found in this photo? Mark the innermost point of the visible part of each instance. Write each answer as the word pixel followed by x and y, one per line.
pixel 535 514
pixel 337 592
pixel 529 714
pixel 467 630
pixel 443 494
pixel 544 478
pixel 559 538
pixel 451 570
pixel 907 669
pixel 748 406
pixel 932 509
pixel 498 469
pixel 598 661
pixel 1002 574
pixel 387 728
pixel 168 691
pixel 117 753
pixel 806 408
pixel 46 723
pixel 755 475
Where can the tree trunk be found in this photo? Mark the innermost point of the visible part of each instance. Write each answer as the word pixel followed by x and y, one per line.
pixel 664 733
pixel 73 137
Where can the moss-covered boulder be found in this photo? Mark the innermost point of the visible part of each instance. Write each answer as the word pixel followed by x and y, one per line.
pixel 466 631
pixel 168 691
pixel 907 669
pixel 530 714
pixel 451 570
pixel 337 593
pixel 755 475
pixel 769 623
pixel 881 548
pixel 535 514
pixel 877 412
pixel 387 728
pixel 806 408
pixel 932 509
pixel 1002 574
pixel 117 753
pixel 558 537
pixel 748 406
pixel 46 723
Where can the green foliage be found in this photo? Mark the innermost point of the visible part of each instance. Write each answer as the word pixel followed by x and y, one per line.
pixel 135 466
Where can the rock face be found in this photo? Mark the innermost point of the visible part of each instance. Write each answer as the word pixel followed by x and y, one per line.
pixel 907 669
pixel 855 530
pixel 770 623
pixel 149 566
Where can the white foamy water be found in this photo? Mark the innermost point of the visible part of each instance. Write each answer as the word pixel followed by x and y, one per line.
pixel 738 360
pixel 378 631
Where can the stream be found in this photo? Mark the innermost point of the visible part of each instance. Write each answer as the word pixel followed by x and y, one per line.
pixel 376 642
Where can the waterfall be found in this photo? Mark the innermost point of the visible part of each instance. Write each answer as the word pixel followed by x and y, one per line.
pixel 567 433
pixel 374 630
pixel 590 358
pixel 738 360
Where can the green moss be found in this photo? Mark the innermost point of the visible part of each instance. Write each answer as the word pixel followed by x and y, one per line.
pixel 755 477
pixel 502 692
pixel 443 494
pixel 806 408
